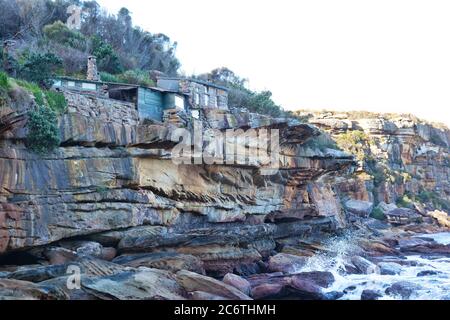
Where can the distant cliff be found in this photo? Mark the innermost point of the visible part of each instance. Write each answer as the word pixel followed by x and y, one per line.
pixel 402 160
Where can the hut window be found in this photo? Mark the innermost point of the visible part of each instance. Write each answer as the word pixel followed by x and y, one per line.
pixel 89 86
pixel 206 100
pixel 57 83
pixel 71 83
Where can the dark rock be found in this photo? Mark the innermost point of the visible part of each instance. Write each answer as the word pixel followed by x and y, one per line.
pixel 370 295
pixel 39 274
pixel 305 289
pixel 268 291
pixel 322 279
pixel 389 268
pixel 404 289
pixel 286 263
pixel 364 265
pixel 428 273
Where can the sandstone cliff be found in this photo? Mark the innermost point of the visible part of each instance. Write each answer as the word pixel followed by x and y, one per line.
pixel 112 180
pixel 402 160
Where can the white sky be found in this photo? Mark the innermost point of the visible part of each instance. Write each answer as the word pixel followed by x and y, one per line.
pixel 384 55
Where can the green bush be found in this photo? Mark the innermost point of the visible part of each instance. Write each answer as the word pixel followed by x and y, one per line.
pixel 34 89
pixel 405 202
pixel 108 77
pixel 355 142
pixel 41 68
pixel 56 101
pixel 43 132
pixel 378 214
pixel 60 33
pixel 4 82
pixel 137 77
pixel 107 58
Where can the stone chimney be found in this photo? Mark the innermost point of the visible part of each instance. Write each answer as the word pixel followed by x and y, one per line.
pixel 92 72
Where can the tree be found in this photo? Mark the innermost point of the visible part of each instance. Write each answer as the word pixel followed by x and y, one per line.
pixel 41 68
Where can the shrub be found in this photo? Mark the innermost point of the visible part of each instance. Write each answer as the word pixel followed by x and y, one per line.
pixel 355 142
pixel 378 214
pixel 43 133
pixel 108 77
pixel 107 58
pixel 35 90
pixel 405 202
pixel 56 101
pixel 138 77
pixel 60 33
pixel 41 68
pixel 4 82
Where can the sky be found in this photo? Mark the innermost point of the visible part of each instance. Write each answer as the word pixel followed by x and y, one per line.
pixel 382 56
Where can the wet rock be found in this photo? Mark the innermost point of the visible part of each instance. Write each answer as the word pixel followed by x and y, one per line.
pixel 286 263
pixel 359 208
pixel 145 284
pixel 428 273
pixel 364 266
pixel 403 289
pixel 268 291
pixel 11 289
pixel 370 295
pixel 334 295
pixel 305 289
pixel 39 274
pixel 238 282
pixel 196 282
pixel 59 287
pixel 319 278
pixel 389 268
pixel 170 261
pixel 423 246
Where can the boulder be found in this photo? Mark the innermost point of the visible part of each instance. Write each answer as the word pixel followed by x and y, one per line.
pixel 427 273
pixel 145 284
pixel 386 207
pixel 170 261
pixel 364 266
pixel 370 295
pixel 238 282
pixel 268 291
pixel 195 282
pixel 39 274
pixel 319 278
pixel 359 208
pixel 11 289
pixel 441 217
pixel 403 216
pixel 403 289
pixel 286 263
pixel 305 289
pixel 389 268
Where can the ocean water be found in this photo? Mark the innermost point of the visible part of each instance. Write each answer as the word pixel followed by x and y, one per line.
pixel 429 287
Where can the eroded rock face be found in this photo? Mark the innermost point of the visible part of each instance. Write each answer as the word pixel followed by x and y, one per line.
pixel 398 156
pixel 112 181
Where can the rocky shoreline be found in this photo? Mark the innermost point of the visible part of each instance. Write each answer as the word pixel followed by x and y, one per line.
pixel 109 208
